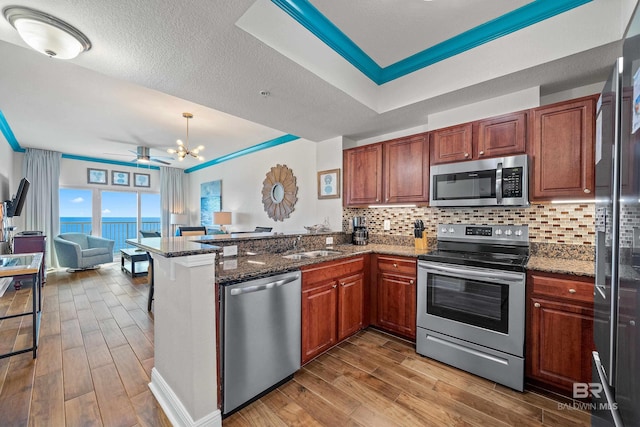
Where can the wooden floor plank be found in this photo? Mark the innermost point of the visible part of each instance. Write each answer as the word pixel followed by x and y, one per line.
pixel 98 353
pixel 115 407
pixel 49 355
pixel 289 411
pixel 15 398
pixel 260 415
pixel 77 375
pixel 148 411
pixel 71 334
pixel 332 394
pixel 131 371
pixel 83 411
pixel 47 406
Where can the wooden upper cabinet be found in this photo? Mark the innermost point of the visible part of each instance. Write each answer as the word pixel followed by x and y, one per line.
pixel 452 144
pixel 406 169
pixel 363 175
pixel 501 136
pixel 562 150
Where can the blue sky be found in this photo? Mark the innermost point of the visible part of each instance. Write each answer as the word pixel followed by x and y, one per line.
pixel 77 203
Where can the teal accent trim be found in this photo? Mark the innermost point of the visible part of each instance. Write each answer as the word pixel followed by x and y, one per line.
pixel 8 134
pixel 310 18
pixel 109 162
pixel 258 147
pixel 314 21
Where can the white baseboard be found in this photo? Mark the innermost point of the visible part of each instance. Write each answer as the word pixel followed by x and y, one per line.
pixel 173 407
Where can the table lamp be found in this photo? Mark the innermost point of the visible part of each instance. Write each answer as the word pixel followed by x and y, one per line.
pixel 222 219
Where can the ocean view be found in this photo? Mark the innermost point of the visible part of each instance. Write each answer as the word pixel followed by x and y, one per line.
pixel 117 229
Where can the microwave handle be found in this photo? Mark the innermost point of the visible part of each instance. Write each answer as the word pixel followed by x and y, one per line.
pixel 499 183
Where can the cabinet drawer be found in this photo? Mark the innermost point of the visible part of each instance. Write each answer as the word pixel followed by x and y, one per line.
pixel 314 274
pixel 404 266
pixel 574 290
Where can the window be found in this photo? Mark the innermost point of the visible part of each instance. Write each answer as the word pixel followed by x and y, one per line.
pixel 115 215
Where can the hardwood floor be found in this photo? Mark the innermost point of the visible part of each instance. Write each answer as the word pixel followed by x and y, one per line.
pixel 96 354
pixel 94 358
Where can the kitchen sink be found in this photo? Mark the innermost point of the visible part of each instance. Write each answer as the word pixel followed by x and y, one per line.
pixel 311 254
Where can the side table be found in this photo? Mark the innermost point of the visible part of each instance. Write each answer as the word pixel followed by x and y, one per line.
pixel 134 262
pixel 25 264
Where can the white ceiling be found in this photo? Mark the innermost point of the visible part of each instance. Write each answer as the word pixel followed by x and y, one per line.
pixel 153 60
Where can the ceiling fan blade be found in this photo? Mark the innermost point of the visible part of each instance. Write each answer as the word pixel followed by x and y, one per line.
pixel 153 159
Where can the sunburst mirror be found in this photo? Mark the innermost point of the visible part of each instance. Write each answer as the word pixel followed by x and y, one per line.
pixel 279 192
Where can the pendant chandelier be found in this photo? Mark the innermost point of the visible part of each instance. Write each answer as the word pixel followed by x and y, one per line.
pixel 183 147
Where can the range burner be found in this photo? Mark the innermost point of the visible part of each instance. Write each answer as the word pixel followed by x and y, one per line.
pixel 491 246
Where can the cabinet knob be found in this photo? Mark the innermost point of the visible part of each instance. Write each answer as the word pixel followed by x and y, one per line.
pixel 395 265
pixel 387 199
pixel 587 191
pixel 377 200
pixel 481 153
pixel 334 286
pixel 411 281
pixel 342 284
pixel 466 155
pixel 572 291
pixel 536 305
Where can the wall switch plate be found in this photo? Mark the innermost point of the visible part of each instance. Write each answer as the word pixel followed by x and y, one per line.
pixel 329 240
pixel 387 224
pixel 230 250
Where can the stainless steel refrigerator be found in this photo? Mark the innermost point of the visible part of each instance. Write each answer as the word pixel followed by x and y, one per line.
pixel 615 388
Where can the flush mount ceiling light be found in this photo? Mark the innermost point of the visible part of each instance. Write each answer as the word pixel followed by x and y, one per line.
pixel 183 148
pixel 47 34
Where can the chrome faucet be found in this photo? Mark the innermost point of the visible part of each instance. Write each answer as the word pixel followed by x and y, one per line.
pixel 296 241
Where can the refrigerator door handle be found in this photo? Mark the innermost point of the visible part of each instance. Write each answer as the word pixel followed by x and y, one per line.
pixel 613 407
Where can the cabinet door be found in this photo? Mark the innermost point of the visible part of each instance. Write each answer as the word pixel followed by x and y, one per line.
pixel 563 150
pixel 501 136
pixel 452 144
pixel 406 170
pixel 350 305
pixel 397 304
pixel 319 329
pixel 363 175
pixel 560 343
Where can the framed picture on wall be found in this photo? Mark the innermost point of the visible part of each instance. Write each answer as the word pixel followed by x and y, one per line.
pixel 329 184
pixel 97 176
pixel 120 178
pixel 141 180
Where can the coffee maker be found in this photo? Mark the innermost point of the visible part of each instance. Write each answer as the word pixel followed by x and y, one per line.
pixel 360 235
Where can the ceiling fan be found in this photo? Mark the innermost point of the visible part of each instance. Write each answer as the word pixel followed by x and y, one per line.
pixel 143 156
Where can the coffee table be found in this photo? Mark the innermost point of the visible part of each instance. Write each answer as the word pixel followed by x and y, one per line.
pixel 134 262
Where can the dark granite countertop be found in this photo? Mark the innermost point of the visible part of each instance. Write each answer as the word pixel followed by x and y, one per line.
pixel 232 269
pixel 561 266
pixel 249 267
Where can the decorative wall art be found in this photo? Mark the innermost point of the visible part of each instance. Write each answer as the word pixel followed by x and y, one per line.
pixel 329 184
pixel 97 176
pixel 120 178
pixel 141 180
pixel 279 192
pixel 210 201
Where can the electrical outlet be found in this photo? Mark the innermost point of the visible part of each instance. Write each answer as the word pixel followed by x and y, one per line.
pixel 230 250
pixel 329 240
pixel 387 224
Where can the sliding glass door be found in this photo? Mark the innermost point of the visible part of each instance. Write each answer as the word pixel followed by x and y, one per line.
pixel 119 217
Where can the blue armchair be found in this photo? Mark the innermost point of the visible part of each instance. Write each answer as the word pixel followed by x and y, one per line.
pixel 78 251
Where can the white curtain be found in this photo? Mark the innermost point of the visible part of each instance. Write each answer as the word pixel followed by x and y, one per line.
pixel 174 196
pixel 42 208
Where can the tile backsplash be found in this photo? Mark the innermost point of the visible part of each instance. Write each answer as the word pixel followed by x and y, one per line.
pixel 548 223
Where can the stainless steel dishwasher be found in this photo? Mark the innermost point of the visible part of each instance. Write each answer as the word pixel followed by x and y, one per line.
pixel 260 336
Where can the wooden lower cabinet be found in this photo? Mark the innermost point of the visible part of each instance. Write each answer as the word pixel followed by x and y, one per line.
pixel 396 295
pixel 559 330
pixel 333 308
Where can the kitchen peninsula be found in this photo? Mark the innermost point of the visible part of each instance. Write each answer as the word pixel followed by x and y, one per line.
pixel 186 271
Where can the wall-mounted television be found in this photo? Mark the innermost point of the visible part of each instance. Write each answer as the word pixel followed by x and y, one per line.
pixel 14 207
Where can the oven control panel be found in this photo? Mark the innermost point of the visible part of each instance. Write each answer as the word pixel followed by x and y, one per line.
pixel 507 234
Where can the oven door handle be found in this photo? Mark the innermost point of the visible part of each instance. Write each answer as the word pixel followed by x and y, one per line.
pixel 468 273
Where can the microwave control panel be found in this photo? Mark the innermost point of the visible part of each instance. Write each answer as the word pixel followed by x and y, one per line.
pixel 512 182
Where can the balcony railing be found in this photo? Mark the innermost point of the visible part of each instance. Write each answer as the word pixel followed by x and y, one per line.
pixel 118 231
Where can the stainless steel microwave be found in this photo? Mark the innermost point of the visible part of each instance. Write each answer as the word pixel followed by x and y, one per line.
pixel 503 181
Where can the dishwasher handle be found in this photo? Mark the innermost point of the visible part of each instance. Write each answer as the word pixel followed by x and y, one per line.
pixel 264 287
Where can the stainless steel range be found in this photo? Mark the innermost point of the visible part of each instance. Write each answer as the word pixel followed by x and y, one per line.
pixel 471 300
